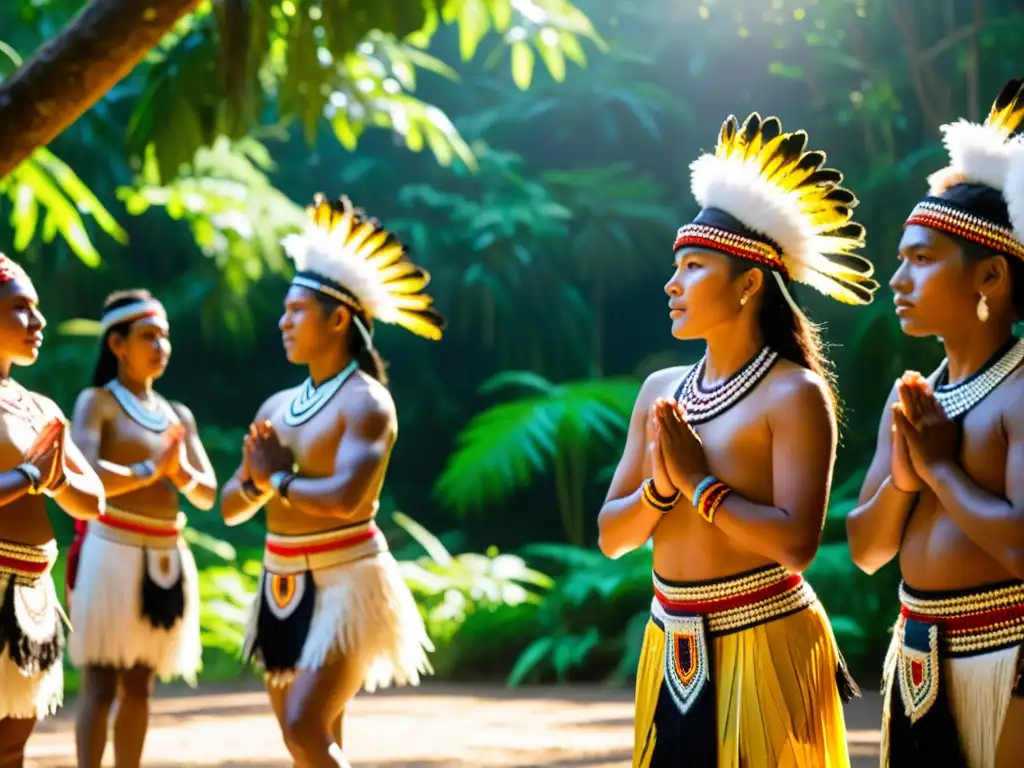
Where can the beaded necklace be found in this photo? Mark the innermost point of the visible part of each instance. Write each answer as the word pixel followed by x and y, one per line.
pixel 702 405
pixel 309 400
pixel 152 417
pixel 958 399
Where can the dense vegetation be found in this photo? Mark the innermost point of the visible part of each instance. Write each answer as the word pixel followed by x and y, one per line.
pixel 534 155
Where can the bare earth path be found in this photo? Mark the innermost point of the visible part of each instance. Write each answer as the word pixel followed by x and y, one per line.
pixel 462 726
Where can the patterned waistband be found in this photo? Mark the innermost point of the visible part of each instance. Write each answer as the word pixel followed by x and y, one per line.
pixel 25 562
pixel 970 622
pixel 736 602
pixel 285 554
pixel 139 530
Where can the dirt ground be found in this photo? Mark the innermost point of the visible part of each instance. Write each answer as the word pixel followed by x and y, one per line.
pixel 453 726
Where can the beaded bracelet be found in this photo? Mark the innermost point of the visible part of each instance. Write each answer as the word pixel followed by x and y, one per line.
pixel 35 477
pixel 280 481
pixel 710 499
pixel 702 488
pixel 656 500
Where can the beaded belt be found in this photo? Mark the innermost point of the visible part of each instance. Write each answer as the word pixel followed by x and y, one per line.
pixel 28 564
pixel 969 623
pixel 734 603
pixel 284 554
pixel 136 530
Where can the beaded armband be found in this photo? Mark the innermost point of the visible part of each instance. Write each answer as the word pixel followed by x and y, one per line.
pixel 656 500
pixel 708 498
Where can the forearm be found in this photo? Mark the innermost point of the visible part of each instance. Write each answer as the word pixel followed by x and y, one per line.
pixel 989 521
pixel 200 488
pixel 626 524
pixel 875 528
pixel 337 497
pixel 83 497
pixel 238 505
pixel 118 480
pixel 13 485
pixel 766 530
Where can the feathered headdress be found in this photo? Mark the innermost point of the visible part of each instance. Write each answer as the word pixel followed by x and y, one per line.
pixel 354 260
pixel 979 196
pixel 765 198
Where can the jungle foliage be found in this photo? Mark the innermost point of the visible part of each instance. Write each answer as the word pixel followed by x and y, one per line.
pixel 534 156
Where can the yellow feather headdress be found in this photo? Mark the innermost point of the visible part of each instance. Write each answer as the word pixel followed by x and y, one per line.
pixel 979 196
pixel 765 197
pixel 353 259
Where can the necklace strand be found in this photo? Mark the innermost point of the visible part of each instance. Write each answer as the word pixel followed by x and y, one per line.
pixel 155 419
pixel 309 400
pixel 958 399
pixel 702 405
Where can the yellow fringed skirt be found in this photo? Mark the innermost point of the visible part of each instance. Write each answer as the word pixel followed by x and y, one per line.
pixel 751 680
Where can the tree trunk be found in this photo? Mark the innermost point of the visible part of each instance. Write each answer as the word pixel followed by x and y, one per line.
pixel 74 70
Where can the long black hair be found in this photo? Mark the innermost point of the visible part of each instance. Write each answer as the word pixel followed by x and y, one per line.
pixel 791 333
pixel 106 364
pixel 367 357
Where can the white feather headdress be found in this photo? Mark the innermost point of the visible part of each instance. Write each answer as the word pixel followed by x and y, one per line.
pixel 353 259
pixel 981 155
pixel 798 217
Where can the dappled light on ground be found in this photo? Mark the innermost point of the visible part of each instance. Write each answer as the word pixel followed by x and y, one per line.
pixel 451 726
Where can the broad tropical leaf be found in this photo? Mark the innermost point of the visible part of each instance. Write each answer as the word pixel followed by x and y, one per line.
pixel 503 448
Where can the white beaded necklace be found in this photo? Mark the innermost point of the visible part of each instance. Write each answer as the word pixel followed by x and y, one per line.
pixel 958 399
pixel 310 399
pixel 154 418
pixel 702 405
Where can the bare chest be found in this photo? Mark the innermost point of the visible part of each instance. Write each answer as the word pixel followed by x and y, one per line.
pixel 313 442
pixel 122 437
pixel 738 445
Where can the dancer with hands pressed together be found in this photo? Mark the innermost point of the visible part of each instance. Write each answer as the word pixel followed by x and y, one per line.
pixel 945 490
pixel 333 613
pixel 132 580
pixel 734 482
pixel 38 459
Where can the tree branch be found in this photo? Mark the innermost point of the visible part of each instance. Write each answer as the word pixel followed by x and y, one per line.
pixel 73 71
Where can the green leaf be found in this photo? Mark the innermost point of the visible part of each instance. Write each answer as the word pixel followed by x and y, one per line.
pixel 522 64
pixel 529 660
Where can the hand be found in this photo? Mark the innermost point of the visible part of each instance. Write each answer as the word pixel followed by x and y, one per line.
pixel 168 461
pixel 681 447
pixel 47 454
pixel 904 478
pixel 265 455
pixel 659 472
pixel 931 439
pixel 46 461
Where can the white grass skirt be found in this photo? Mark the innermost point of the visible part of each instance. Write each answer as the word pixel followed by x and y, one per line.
pixel 106 612
pixel 32 697
pixel 364 613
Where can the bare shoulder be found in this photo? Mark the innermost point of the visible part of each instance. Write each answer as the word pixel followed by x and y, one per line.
pixel 183 412
pixel 47 406
pixel 794 389
pixel 661 383
pixel 92 399
pixel 1011 396
pixel 273 403
pixel 366 398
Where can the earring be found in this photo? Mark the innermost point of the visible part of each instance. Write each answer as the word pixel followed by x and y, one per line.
pixel 743 299
pixel 983 308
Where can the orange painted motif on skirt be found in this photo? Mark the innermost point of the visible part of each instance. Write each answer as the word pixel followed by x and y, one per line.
pixel 282 588
pixel 686 657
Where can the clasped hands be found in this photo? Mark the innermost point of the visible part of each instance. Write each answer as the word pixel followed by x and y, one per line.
pixel 676 453
pixel 263 455
pixel 46 454
pixel 923 436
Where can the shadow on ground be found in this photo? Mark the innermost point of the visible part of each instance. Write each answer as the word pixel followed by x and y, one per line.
pixel 462 726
